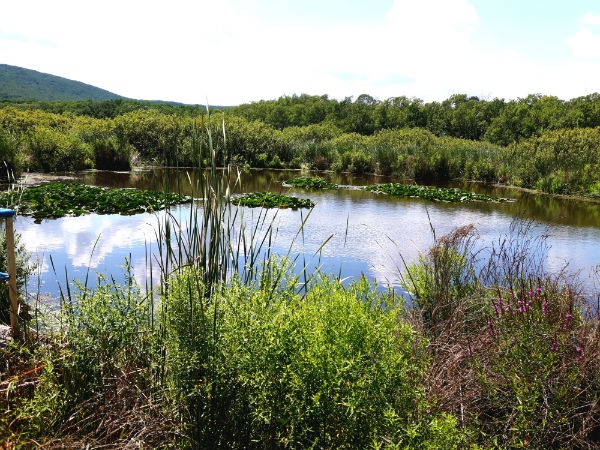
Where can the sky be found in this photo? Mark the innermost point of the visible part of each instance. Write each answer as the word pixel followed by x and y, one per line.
pixel 228 52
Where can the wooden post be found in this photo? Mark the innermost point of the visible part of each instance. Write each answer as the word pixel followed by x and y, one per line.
pixel 12 271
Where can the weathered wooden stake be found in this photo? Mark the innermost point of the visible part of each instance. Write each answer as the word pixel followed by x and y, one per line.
pixel 8 214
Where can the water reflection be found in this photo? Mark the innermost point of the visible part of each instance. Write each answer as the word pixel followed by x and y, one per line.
pixel 365 233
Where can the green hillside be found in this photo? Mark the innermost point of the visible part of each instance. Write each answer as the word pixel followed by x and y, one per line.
pixel 19 84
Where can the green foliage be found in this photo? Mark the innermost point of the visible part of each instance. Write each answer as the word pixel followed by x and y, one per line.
pixel 443 278
pixel 105 346
pixel 332 369
pixel 53 150
pixel 156 136
pixel 503 358
pixel 60 199
pixel 272 200
pixel 558 162
pixel 9 151
pixel 510 346
pixel 110 154
pixel 498 121
pixel 311 183
pixel 429 192
pixel 532 369
pixel 555 160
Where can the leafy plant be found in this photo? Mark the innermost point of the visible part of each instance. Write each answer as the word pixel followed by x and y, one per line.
pixel 272 200
pixel 60 199
pixel 310 183
pixel 429 192
pixel 333 369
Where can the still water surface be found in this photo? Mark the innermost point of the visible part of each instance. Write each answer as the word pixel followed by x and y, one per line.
pixel 364 233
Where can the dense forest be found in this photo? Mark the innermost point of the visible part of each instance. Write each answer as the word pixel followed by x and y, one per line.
pixel 18 84
pixel 539 142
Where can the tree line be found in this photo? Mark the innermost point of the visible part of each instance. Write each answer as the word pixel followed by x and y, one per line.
pixel 467 117
pixel 538 142
pixel 497 121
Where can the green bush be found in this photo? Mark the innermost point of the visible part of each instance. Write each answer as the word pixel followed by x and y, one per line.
pixel 54 150
pixel 10 153
pixel 562 161
pixel 103 355
pixel 335 368
pixel 512 352
pixel 443 278
pixel 110 154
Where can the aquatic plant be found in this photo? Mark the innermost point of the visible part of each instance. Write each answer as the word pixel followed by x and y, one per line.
pixel 513 354
pixel 61 199
pixel 272 200
pixel 310 183
pixel 429 192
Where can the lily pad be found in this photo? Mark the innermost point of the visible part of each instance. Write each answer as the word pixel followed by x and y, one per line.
pixel 272 200
pixel 430 192
pixel 60 199
pixel 311 183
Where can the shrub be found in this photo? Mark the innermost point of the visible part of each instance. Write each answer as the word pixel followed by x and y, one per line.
pixel 269 368
pixel 533 370
pixel 97 373
pixel 110 154
pixel 445 276
pixel 512 354
pixel 54 150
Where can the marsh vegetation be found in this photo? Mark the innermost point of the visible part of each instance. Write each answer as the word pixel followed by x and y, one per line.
pixel 59 199
pixel 537 142
pixel 236 347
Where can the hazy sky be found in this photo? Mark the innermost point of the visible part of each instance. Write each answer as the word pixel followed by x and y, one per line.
pixel 236 51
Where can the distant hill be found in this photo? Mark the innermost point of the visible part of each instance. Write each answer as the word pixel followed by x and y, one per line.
pixel 19 84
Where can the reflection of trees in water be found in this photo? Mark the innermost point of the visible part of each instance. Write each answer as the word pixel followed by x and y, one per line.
pixel 561 211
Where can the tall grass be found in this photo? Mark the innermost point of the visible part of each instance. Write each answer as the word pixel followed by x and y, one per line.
pixel 515 355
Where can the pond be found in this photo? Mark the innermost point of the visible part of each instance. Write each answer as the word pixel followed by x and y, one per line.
pixel 349 232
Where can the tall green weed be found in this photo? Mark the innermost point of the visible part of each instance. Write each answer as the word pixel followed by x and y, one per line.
pixel 335 368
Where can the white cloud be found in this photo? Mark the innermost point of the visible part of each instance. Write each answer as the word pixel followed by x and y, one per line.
pixel 186 50
pixel 585 44
pixel 591 19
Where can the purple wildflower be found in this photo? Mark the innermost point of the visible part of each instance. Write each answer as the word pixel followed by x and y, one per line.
pixel 545 308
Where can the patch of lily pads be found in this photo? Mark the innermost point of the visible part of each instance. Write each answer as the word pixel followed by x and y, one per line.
pixel 272 200
pixel 430 193
pixel 71 199
pixel 310 183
